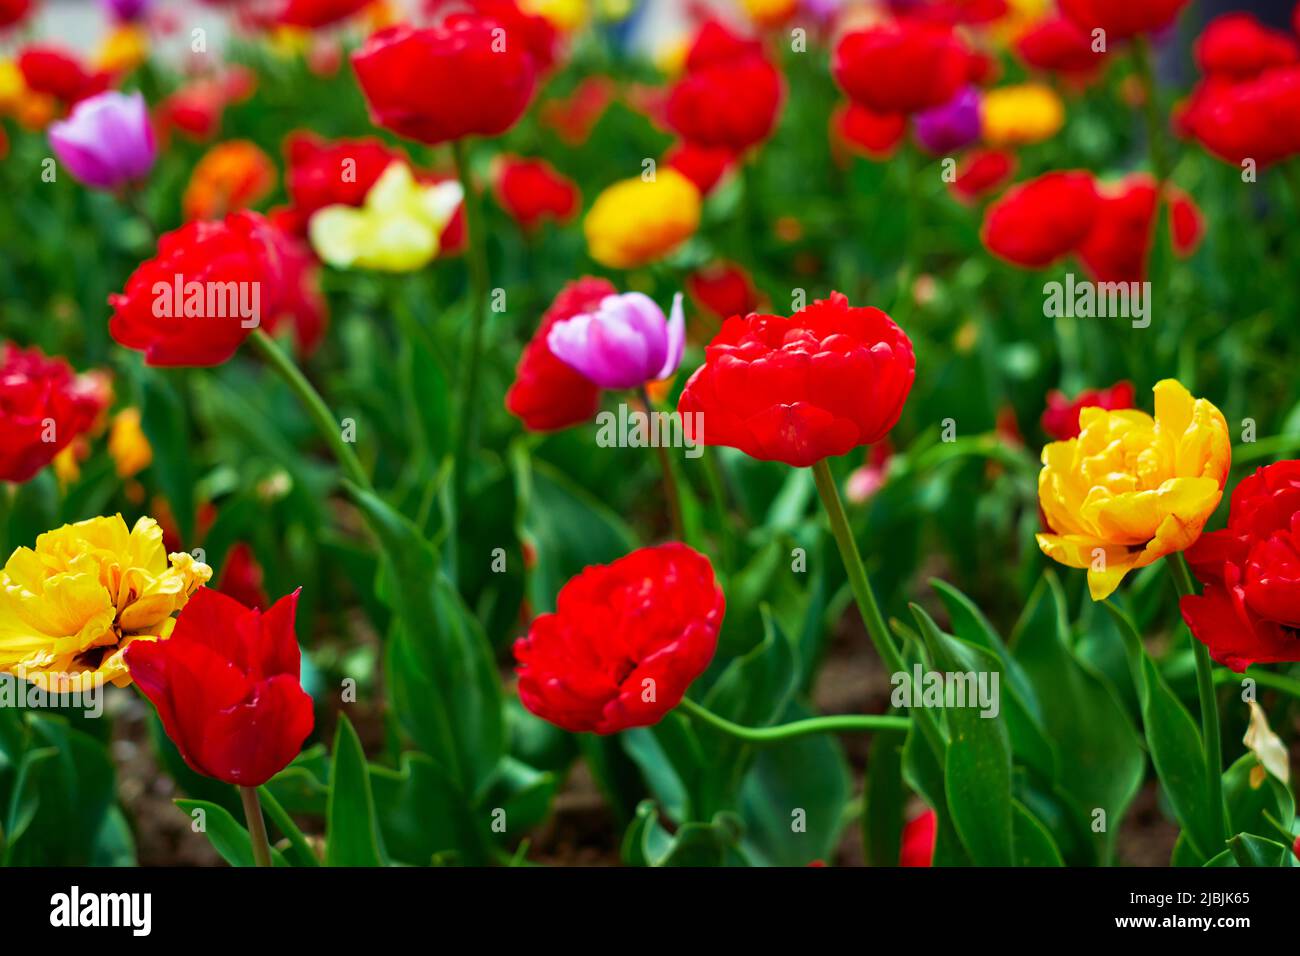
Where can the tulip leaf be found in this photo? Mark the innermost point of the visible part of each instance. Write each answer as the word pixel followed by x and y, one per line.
pixel 648 843
pixel 1034 844
pixel 883 800
pixel 1175 744
pixel 924 774
pixel 1250 850
pixel 1253 796
pixel 422 814
pixel 352 830
pixel 977 764
pixel 226 834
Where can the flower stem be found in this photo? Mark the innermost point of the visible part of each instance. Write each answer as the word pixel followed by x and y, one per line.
pixel 323 418
pixel 858 581
pixel 285 824
pixel 1209 705
pixel 670 479
pixel 852 723
pixel 256 826
pixel 476 254
pixel 1145 70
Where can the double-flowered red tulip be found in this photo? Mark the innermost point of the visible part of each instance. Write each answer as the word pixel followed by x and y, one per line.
pixel 625 642
pixel 548 394
pixel 1250 611
pixel 226 687
pixel 902 66
pixel 799 389
pixel 44 405
pixel 466 75
pixel 208 287
pixel 1118 244
pixel 1256 119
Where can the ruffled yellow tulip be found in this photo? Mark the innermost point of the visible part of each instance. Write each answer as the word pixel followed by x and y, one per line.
pixel 398 229
pixel 1021 115
pixel 71 606
pixel 635 221
pixel 1132 488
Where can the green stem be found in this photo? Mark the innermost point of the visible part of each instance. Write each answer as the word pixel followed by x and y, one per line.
pixel 842 723
pixel 284 823
pixel 1209 705
pixel 1151 109
pixel 858 581
pixel 476 255
pixel 1278 682
pixel 671 493
pixel 256 826
pixel 323 418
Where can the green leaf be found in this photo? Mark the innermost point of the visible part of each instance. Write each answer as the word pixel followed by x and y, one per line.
pixel 444 682
pixel 1250 850
pixel 883 800
pixel 422 814
pixel 924 774
pixel 1034 844
pixel 1250 806
pixel 166 425
pixel 227 836
pixel 352 831
pixel 977 764
pixel 1175 745
pixel 648 843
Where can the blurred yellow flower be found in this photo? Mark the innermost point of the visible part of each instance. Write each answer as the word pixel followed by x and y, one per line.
pixel 564 15
pixel 768 13
pixel 1132 489
pixel 12 86
pixel 70 607
pixel 1021 115
pixel 124 49
pixel 1019 15
pixel 128 445
pixel 397 230
pixel 635 221
pixel 613 11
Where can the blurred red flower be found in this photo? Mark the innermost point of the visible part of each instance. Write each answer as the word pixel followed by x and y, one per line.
pixel 312 14
pixel 44 406
pixel 1041 220
pixel 864 132
pixel 723 289
pixel 981 171
pixel 799 389
pixel 301 303
pixel 547 394
pixel 1121 18
pixel 328 172
pixel 531 190
pixel 919 834
pixel 241 577
pixel 1061 417
pixel 1237 45
pixel 1257 119
pixel 539 36
pixel 1250 611
pixel 226 687
pixel 625 642
pixel 900 67
pixel 458 78
pixel 703 165
pixel 1118 244
pixel 1058 45
pixel 574 117
pixel 13 11
pixel 177 307
pixel 730 94
pixel 196 109
pixel 60 74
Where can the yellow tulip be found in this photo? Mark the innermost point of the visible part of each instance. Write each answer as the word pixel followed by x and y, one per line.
pixel 1021 115
pixel 1132 488
pixel 397 229
pixel 769 13
pixel 70 607
pixel 564 15
pixel 635 221
pixel 124 49
pixel 128 445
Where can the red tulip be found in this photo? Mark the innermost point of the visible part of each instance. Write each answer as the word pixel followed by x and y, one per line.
pixel 536 33
pixel 547 394
pixel 336 172
pixel 1061 417
pixel 981 171
pixel 703 165
pixel 1042 220
pixel 313 14
pixel 1239 46
pixel 461 77
pixel 865 132
pixel 900 67
pixel 1250 611
pixel 531 190
pixel 1058 45
pixel 918 840
pixel 302 306
pixel 204 292
pixel 226 687
pixel 44 406
pixel 58 73
pixel 13 11
pixel 241 577
pixel 1118 244
pixel 730 94
pixel 1257 119
pixel 723 289
pixel 625 642
pixel 1122 18
pixel 824 381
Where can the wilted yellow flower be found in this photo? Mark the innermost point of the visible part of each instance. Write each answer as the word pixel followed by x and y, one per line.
pixel 69 608
pixel 1131 489
pixel 767 13
pixel 397 230
pixel 635 221
pixel 1021 115
pixel 124 49
pixel 564 15
pixel 128 445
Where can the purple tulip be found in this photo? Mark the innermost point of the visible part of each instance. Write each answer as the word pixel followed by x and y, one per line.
pixel 951 126
pixel 107 141
pixel 127 11
pixel 625 343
